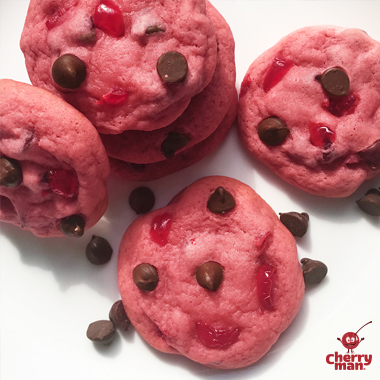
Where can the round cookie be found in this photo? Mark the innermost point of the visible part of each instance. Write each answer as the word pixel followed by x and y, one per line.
pixel 53 166
pixel 203 115
pixel 123 64
pixel 309 109
pixel 213 276
pixel 186 158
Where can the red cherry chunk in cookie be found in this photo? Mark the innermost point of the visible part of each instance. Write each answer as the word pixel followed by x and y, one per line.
pixel 109 19
pixel 341 105
pixel 216 337
pixel 63 182
pixel 321 135
pixel 265 284
pixel 276 72
pixel 160 229
pixel 113 98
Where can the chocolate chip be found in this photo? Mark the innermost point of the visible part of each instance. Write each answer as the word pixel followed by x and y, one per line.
pixel 98 250
pixel 10 172
pixel 296 223
pixel 87 38
pixel 210 275
pixel 141 200
pixel 119 317
pixel 153 29
pixel 69 71
pixel 313 271
pixel 72 226
pixel 145 276
pixel 370 203
pixel 172 67
pixel 101 332
pixel 173 142
pixel 335 82
pixel 372 155
pixel 220 201
pixel 272 131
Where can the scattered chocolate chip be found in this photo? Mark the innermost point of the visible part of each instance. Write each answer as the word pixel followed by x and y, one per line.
pixel 335 82
pixel 370 203
pixel 101 332
pixel 10 172
pixel 220 201
pixel 173 142
pixel 272 131
pixel 153 29
pixel 141 200
pixel 72 226
pixel 69 71
pixel 372 155
pixel 296 223
pixel 210 275
pixel 137 167
pixel 119 317
pixel 172 67
pixel 145 276
pixel 313 271
pixel 87 38
pixel 98 250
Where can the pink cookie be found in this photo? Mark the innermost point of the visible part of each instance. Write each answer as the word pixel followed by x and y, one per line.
pixel 213 276
pixel 200 119
pixel 53 166
pixel 124 64
pixel 188 157
pixel 309 109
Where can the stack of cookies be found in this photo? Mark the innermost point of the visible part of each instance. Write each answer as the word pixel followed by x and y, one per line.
pixel 156 79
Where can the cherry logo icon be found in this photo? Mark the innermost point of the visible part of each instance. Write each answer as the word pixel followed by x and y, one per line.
pixel 351 340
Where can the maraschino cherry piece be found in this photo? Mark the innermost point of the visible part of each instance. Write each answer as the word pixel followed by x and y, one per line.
pixel 160 229
pixel 321 135
pixel 342 105
pixel 278 69
pixel 216 337
pixel 63 182
pixel 265 284
pixel 109 19
pixel 113 98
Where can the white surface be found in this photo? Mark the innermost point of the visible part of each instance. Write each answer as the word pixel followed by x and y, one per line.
pixel 50 292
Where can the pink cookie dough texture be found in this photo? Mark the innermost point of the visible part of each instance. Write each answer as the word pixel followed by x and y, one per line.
pixel 122 89
pixel 43 133
pixel 200 119
pixel 186 158
pixel 177 240
pixel 333 144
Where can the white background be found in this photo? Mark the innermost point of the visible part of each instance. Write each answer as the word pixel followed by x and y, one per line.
pixel 50 292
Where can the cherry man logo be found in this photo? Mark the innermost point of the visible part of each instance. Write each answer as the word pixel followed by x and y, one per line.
pixel 349 361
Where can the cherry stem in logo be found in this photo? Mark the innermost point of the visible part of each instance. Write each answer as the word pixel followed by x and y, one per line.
pixel 363 326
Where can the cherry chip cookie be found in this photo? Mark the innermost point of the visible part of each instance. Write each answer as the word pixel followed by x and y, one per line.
pixel 309 109
pixel 53 166
pixel 213 276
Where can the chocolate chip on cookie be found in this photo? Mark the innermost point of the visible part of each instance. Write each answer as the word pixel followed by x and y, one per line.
pixel 210 275
pixel 98 250
pixel 220 201
pixel 296 223
pixel 272 131
pixel 173 142
pixel 69 71
pixel 10 172
pixel 172 67
pixel 335 82
pixel 72 226
pixel 145 276
pixel 141 200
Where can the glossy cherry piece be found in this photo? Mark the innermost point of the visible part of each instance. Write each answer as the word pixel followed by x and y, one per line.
pixel 342 105
pixel 321 135
pixel 160 229
pixel 109 19
pixel 63 182
pixel 276 72
pixel 113 98
pixel 214 337
pixel 265 284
